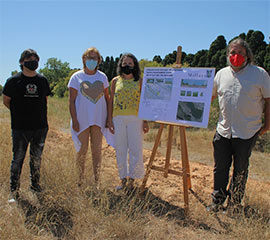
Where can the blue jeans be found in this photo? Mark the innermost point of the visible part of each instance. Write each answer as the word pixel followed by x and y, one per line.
pixel 20 141
pixel 226 151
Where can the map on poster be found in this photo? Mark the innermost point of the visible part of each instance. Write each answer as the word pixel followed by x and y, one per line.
pixel 177 95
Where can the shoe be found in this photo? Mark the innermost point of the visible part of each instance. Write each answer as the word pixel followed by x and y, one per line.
pixel 13 197
pixel 36 188
pixel 215 207
pixel 123 184
pixel 130 184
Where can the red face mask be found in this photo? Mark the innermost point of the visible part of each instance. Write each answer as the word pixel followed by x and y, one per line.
pixel 237 60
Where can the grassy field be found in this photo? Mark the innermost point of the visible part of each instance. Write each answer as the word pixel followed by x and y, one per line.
pixel 66 212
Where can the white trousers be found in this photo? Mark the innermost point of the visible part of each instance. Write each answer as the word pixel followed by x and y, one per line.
pixel 128 138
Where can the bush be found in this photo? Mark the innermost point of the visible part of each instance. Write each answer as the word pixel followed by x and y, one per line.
pixel 213 116
pixel 60 89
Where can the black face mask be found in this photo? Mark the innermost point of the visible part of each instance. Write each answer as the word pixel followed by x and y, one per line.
pixel 31 65
pixel 127 69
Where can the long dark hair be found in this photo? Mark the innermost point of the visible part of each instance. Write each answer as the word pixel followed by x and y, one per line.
pixel 137 71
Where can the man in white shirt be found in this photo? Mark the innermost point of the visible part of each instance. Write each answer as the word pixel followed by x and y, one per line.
pixel 243 92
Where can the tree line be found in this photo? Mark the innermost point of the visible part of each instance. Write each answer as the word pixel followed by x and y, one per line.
pixel 59 73
pixel 215 56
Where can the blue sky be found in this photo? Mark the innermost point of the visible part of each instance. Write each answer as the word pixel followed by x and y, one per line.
pixel 65 29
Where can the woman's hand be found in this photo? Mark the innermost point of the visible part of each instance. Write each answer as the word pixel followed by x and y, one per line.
pixel 145 127
pixel 263 130
pixel 110 126
pixel 76 125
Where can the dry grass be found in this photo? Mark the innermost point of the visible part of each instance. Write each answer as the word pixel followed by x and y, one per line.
pixel 66 212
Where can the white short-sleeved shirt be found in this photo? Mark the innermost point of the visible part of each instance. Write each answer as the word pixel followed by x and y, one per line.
pixel 91 107
pixel 241 100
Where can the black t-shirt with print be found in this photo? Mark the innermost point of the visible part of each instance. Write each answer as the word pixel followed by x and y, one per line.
pixel 28 105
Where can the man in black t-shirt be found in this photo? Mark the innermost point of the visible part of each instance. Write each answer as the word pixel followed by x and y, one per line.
pixel 25 94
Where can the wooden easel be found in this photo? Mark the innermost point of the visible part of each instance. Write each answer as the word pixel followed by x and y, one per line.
pixel 185 171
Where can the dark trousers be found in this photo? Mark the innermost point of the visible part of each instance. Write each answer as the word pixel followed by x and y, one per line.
pixel 226 151
pixel 21 140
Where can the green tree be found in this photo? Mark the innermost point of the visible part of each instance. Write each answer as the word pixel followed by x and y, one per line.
pixel 199 59
pixel 248 36
pixel 14 72
pixel 109 67
pixel 183 58
pixel 61 89
pixel 104 65
pixel 215 59
pixel 217 45
pixel 222 59
pixel 243 36
pixel 157 59
pixel 1 90
pixel 266 62
pixel 189 58
pixel 169 58
pixel 55 71
pixel 256 42
pixel 259 58
pixel 115 65
pixel 146 63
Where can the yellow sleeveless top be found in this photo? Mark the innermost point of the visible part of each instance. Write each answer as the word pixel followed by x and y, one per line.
pixel 126 97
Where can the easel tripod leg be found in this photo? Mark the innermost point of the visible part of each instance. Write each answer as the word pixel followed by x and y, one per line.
pixel 184 155
pixel 152 157
pixel 169 150
pixel 185 167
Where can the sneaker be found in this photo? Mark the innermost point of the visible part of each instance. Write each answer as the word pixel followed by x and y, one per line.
pixel 215 207
pixel 36 188
pixel 13 197
pixel 123 184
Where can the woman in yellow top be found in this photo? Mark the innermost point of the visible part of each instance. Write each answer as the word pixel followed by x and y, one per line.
pixel 123 120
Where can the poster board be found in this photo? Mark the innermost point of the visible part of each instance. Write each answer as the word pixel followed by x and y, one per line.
pixel 177 95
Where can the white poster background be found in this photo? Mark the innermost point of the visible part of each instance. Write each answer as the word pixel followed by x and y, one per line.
pixel 177 95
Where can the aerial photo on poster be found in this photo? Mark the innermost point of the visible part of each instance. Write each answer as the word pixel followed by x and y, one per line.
pixel 180 96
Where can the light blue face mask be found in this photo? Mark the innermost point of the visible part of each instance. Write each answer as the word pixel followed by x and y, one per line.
pixel 91 64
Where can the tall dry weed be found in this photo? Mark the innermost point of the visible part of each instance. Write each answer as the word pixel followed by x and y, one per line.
pixel 65 211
